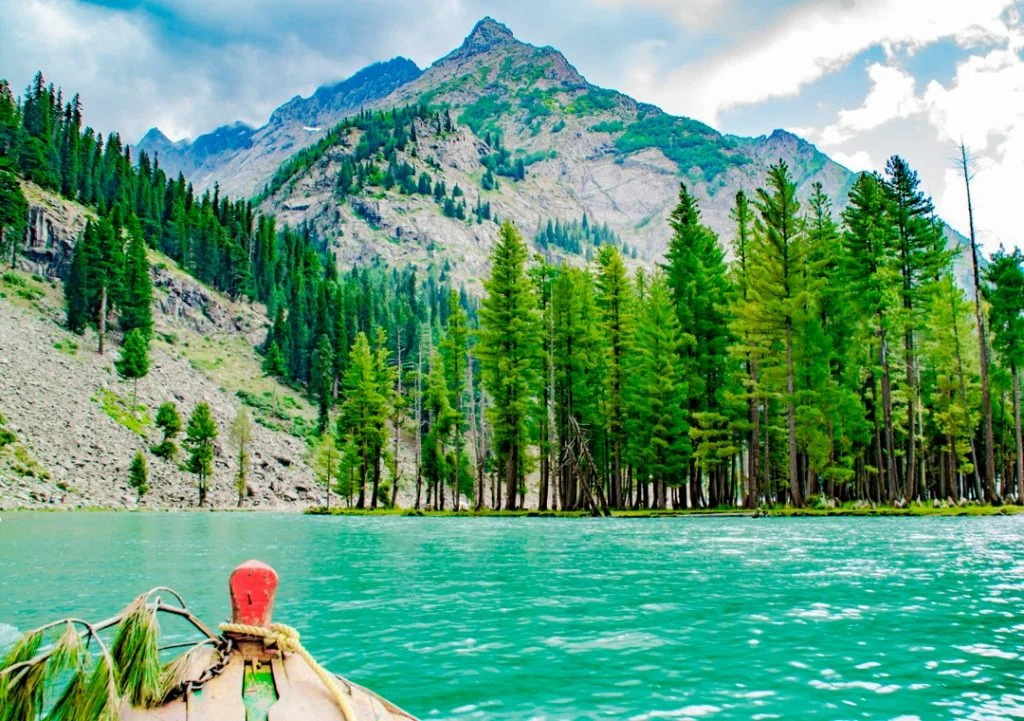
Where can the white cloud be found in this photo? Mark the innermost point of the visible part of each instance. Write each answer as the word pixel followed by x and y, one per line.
pixel 891 96
pixel 813 40
pixel 983 104
pixel 690 14
pixel 857 161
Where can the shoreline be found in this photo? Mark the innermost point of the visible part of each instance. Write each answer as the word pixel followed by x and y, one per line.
pixel 922 511
pixel 913 511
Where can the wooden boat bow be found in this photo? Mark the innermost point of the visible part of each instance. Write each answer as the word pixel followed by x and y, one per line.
pixel 254 670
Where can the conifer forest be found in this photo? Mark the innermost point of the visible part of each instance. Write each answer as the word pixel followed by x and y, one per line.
pixel 809 357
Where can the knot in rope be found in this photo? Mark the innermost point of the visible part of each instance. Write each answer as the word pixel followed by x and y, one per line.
pixel 287 639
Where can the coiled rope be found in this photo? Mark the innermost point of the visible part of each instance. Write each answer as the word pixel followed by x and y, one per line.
pixel 286 638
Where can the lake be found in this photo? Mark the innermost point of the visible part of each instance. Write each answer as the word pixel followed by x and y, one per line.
pixel 516 618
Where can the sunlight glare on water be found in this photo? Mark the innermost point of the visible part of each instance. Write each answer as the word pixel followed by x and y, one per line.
pixel 453 618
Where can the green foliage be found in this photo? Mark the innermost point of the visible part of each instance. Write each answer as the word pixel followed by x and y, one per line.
pixel 595 100
pixel 123 411
pixel 136 305
pixel 482 115
pixel 138 474
pixel 608 126
pixel 240 436
pixel 326 464
pixel 508 344
pixel 580 237
pixel 657 392
pixel 365 412
pixel 200 433
pixel 13 215
pixel 134 653
pixel 133 362
pixel 686 142
pixel 1005 294
pixel 66 346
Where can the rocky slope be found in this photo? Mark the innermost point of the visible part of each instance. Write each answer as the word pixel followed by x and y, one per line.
pixel 68 433
pixel 241 158
pixel 587 151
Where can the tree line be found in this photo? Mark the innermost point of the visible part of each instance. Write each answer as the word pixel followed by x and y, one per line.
pixel 828 356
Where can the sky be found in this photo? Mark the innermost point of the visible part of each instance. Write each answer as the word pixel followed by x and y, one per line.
pixel 862 79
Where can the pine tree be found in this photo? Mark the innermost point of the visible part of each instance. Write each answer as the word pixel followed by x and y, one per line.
pixel 82 291
pixel 326 464
pixel 580 358
pixel 696 275
pixel 168 421
pixel 454 350
pixel 321 381
pixel 133 362
pixel 274 363
pixel 871 280
pixel 384 377
pixel 953 388
pixel 240 435
pixel 138 475
pixel 136 305
pixel 1005 294
pixel 200 433
pixel 13 215
pixel 509 340
pixel 742 215
pixel 991 496
pixel 660 395
pixel 614 302
pixel 777 255
pixel 442 420
pixel 921 256
pixel 364 412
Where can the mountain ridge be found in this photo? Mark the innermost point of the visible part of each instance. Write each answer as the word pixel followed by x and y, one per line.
pixel 588 151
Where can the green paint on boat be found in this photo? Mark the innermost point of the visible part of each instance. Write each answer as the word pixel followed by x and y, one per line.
pixel 258 691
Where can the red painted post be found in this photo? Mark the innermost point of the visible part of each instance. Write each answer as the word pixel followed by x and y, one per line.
pixel 253 586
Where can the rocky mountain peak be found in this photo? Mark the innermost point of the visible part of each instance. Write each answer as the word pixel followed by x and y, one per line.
pixel 156 137
pixel 486 35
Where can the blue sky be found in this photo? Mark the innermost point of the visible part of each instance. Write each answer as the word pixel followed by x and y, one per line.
pixel 862 79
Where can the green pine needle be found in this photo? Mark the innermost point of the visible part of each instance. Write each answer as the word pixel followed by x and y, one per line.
pixel 21 690
pixel 68 653
pixel 136 656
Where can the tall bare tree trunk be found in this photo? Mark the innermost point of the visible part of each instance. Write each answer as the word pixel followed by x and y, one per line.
pixel 1017 434
pixel 419 423
pixel 986 392
pixel 890 443
pixel 103 319
pixel 909 490
pixel 795 491
pixel 398 430
pixel 753 479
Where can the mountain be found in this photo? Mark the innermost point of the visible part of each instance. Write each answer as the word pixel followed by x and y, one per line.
pixel 586 151
pixel 240 157
pixel 514 109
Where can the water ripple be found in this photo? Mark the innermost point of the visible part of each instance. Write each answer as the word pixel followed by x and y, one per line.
pixel 709 619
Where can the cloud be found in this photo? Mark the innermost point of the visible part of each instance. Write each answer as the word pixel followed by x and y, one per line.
pixel 858 161
pixel 812 40
pixel 190 65
pixel 983 104
pixel 690 14
pixel 891 96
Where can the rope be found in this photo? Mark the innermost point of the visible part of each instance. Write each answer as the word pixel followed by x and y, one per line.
pixel 287 638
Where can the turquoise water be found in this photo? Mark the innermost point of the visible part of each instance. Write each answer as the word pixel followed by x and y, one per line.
pixel 567 619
